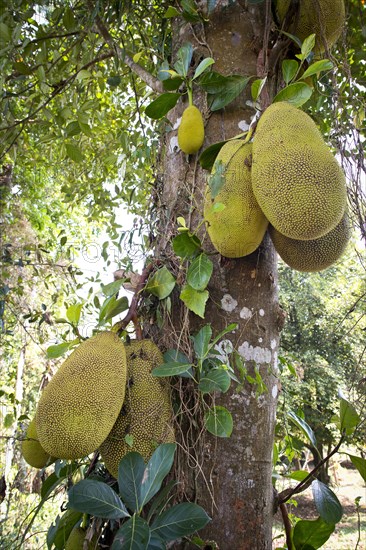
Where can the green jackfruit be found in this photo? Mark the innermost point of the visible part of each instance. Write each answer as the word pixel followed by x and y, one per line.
pixel 313 255
pixel 79 406
pixel 325 18
pixel 239 228
pixel 76 540
pixel 191 131
pixel 296 180
pixel 146 414
pixel 32 451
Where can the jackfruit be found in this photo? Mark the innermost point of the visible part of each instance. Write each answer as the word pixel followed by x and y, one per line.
pixel 32 451
pixel 239 228
pixel 325 18
pixel 146 414
pixel 76 540
pixel 79 406
pixel 314 255
pixel 191 131
pixel 296 180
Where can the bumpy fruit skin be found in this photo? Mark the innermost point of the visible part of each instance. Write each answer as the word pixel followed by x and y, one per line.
pixel 147 411
pixel 296 180
pixel 76 539
pixel 191 131
pixel 32 451
pixel 239 229
pixel 79 406
pixel 314 255
pixel 325 18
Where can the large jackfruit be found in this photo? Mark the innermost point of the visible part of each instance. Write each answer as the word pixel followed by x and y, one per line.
pixel 191 131
pixel 314 255
pixel 76 540
pixel 296 180
pixel 325 18
pixel 239 228
pixel 146 414
pixel 32 451
pixel 79 406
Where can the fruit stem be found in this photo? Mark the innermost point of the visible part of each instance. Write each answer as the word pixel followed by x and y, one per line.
pixel 190 96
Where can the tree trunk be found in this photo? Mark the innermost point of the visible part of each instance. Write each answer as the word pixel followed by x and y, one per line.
pixel 230 478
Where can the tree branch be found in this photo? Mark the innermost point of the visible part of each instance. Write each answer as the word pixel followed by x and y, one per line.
pixel 287 524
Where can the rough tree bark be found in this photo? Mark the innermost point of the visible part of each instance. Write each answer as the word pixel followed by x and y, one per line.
pixel 230 478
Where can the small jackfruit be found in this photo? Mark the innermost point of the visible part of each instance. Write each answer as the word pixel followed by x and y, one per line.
pixel 325 18
pixel 146 414
pixel 79 406
pixel 239 228
pixel 32 451
pixel 314 255
pixel 296 180
pixel 191 131
pixel 76 540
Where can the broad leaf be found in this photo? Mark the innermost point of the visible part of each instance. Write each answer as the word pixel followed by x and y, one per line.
pixel 322 65
pixel 308 45
pixel 63 528
pixel 360 464
pixel 57 350
pixel 326 502
pixel 171 12
pixel 112 307
pixel 205 63
pixel 217 179
pixel 289 69
pixel 201 341
pixel 156 543
pixel 73 152
pixel 130 474
pixel 161 105
pixel 156 470
pixel 176 356
pixel 222 89
pixel 219 421
pixel 184 57
pixel 257 87
pixel 171 369
pixel 311 533
pixel 161 283
pixel 73 313
pixel 348 416
pixel 133 535
pixel 208 157
pixel 195 300
pixel 97 499
pixel 179 521
pixel 112 288
pixel 186 245
pixel 303 426
pixel 215 380
pixel 199 272
pixel 297 94
pixel 298 475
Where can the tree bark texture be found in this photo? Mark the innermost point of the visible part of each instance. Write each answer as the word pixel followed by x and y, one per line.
pixel 229 477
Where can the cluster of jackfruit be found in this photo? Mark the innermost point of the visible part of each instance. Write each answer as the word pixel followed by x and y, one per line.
pixel 191 131
pixel 288 177
pixel 82 406
pixel 325 18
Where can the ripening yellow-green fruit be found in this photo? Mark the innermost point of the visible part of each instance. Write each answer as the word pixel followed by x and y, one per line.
pixel 191 131
pixel 32 451
pixel 76 540
pixel 296 180
pixel 314 255
pixel 79 406
pixel 146 415
pixel 237 229
pixel 325 18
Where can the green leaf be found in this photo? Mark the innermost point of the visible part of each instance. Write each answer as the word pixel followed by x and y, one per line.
pixel 219 421
pixel 289 69
pixel 326 502
pixel 205 63
pixel 133 535
pixel 186 245
pixel 97 499
pixel 73 152
pixel 199 272
pixel 68 19
pixel 229 90
pixel 176 356
pixel 171 369
pixel 190 12
pixel 162 105
pixel 322 65
pixel 112 307
pixel 217 178
pixel 229 328
pixel 112 288
pixel 297 94
pixel 156 470
pixel 171 12
pixel 298 475
pixel 184 58
pixel 201 341
pixel 172 84
pixel 208 157
pixel 73 313
pixel 348 416
pixel 215 380
pixel 161 283
pixel 57 350
pixel 63 528
pixel 179 521
pixel 311 533
pixel 303 426
pixel 130 474
pixel 195 300
pixel 257 87
pixel 156 543
pixel 307 46
pixel 360 464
